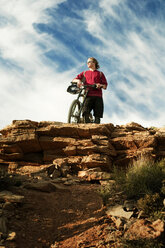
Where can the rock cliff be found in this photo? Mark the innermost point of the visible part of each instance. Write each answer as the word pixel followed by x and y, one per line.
pixel 78 146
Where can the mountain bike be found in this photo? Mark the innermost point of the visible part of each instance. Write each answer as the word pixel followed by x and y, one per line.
pixel 75 114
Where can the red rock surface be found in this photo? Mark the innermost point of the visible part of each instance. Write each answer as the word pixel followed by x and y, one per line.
pixel 79 145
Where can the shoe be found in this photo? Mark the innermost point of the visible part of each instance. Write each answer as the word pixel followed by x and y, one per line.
pixel 86 117
pixel 97 120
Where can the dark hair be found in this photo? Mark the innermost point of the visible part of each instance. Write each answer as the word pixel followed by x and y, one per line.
pixel 96 62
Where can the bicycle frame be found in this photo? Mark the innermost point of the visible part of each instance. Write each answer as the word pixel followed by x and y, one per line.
pixel 81 98
pixel 76 108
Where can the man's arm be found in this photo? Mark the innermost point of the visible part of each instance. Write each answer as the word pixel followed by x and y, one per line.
pixel 104 86
pixel 103 83
pixel 78 79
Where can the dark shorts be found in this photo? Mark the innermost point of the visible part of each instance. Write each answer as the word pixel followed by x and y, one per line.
pixel 94 103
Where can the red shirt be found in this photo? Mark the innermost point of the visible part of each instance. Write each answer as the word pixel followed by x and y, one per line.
pixel 93 77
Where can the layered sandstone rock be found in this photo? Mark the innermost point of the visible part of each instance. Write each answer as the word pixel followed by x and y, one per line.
pixel 79 146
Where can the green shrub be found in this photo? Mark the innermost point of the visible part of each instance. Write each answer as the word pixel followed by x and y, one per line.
pixel 143 243
pixel 151 205
pixel 119 175
pixel 144 177
pixel 106 191
pixel 163 187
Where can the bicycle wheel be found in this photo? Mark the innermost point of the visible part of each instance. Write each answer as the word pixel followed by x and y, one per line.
pixel 74 112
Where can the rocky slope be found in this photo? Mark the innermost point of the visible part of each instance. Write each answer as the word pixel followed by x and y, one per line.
pixel 44 201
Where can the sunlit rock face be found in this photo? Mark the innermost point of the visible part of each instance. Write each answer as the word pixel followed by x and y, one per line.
pixel 79 146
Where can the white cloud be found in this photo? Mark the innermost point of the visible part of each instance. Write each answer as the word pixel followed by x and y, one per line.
pixel 138 54
pixel 30 87
pixel 108 7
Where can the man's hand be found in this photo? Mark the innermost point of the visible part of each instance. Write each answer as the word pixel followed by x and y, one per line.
pixel 98 86
pixel 78 81
pixel 79 84
pixel 104 86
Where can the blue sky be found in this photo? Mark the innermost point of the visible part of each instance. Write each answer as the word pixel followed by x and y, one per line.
pixel 45 44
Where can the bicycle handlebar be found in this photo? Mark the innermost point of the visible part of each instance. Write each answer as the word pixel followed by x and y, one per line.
pixel 87 86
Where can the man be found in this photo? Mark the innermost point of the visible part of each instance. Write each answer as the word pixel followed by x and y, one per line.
pixel 94 100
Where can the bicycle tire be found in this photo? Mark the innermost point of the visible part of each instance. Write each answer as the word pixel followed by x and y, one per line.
pixel 74 112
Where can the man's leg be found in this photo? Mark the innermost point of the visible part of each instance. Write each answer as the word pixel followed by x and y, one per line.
pixel 86 117
pixel 87 109
pixel 98 109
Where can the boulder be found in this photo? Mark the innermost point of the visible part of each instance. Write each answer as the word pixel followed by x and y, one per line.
pixel 94 174
pixel 143 229
pixel 7 196
pixel 119 212
pixel 41 186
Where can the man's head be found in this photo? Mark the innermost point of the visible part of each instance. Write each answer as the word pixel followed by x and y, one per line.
pixel 93 61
